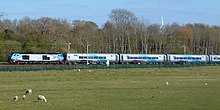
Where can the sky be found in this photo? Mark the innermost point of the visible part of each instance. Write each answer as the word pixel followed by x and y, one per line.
pixel 179 11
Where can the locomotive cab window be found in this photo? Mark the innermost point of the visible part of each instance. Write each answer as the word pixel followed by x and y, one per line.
pixel 45 57
pixel 25 57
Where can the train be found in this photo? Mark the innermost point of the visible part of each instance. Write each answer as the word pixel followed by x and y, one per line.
pixel 103 58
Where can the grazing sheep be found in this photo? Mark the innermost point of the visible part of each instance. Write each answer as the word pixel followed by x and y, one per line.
pixel 28 91
pixel 90 70
pixel 41 98
pixel 167 83
pixel 23 97
pixel 78 70
pixel 15 98
pixel 206 84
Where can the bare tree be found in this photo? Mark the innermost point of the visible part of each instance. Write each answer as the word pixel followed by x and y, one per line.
pixel 124 22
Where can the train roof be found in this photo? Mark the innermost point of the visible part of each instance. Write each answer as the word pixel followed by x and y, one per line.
pixel 36 52
pixel 143 54
pixel 90 53
pixel 187 54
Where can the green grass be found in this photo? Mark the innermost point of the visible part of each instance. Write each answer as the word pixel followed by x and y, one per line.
pixel 114 89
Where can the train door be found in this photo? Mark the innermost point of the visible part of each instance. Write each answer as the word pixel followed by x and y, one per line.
pixel 122 58
pixel 208 59
pixel 116 59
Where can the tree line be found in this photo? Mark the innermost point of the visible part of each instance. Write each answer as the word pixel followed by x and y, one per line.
pixel 122 33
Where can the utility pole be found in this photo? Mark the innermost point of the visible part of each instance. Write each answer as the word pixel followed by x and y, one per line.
pixel 68 47
pixel 184 49
pixel 87 51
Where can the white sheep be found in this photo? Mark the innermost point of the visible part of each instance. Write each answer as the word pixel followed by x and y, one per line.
pixel 28 91
pixel 78 70
pixel 167 83
pixel 15 98
pixel 23 97
pixel 41 98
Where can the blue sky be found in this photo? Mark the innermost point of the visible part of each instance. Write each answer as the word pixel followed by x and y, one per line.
pixel 180 11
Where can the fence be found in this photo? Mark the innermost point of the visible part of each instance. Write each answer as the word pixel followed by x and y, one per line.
pixel 71 67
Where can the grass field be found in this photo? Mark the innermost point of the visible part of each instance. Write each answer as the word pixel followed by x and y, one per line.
pixel 114 89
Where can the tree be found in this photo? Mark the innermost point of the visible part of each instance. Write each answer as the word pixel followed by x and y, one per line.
pixel 123 22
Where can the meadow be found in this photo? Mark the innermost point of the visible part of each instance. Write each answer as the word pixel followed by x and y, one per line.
pixel 190 88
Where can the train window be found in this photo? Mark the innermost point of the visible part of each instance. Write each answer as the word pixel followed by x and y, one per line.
pixel 25 57
pixel 80 57
pixel 216 58
pixel 90 57
pixel 45 57
pixel 95 57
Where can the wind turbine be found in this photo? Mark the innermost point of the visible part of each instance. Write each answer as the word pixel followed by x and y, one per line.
pixel 161 26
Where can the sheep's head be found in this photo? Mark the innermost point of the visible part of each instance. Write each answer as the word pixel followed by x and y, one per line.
pixel 45 100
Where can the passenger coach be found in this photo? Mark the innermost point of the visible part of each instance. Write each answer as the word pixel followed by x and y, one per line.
pixel 142 58
pixel 214 58
pixel 91 58
pixel 187 58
